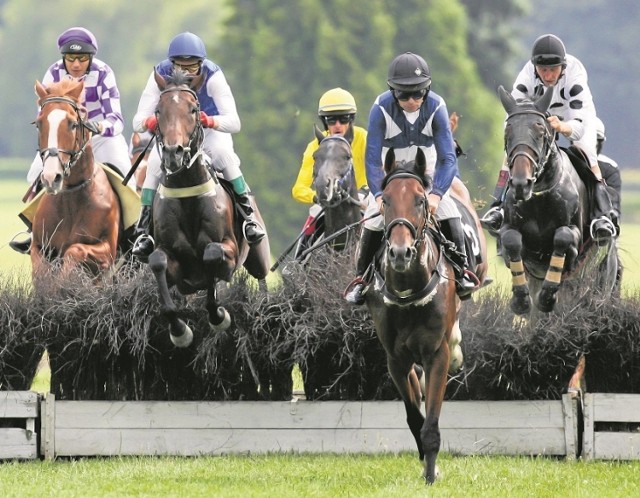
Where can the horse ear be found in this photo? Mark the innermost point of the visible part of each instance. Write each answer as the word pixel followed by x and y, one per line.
pixel 318 133
pixel 40 90
pixel 160 81
pixel 390 161
pixel 542 104
pixel 421 163
pixel 508 102
pixel 76 91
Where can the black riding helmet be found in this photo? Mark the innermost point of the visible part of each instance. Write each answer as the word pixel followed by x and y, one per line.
pixel 548 50
pixel 409 72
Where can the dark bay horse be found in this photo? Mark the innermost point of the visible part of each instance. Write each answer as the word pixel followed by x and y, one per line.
pixel 335 186
pixel 413 302
pixel 78 218
pixel 198 236
pixel 545 234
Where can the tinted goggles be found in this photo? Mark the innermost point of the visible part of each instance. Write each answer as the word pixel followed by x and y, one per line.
pixel 188 68
pixel 415 95
pixel 76 57
pixel 331 120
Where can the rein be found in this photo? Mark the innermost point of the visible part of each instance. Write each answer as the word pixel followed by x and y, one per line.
pixel 542 152
pixel 74 155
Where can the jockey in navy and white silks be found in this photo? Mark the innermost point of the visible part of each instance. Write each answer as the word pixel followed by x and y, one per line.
pixel 428 129
pixel 406 117
pixel 101 98
pixel 220 119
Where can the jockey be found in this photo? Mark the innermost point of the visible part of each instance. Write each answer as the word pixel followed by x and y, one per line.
pixel 405 117
pixel 573 115
pixel 337 112
pixel 78 47
pixel 610 170
pixel 188 53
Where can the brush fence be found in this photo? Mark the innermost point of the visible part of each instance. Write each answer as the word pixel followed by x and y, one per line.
pixel 106 428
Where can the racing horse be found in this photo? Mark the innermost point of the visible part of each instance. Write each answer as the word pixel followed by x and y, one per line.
pixel 78 219
pixel 545 234
pixel 413 302
pixel 334 181
pixel 198 234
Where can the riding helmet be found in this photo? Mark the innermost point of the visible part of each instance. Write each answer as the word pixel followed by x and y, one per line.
pixel 409 72
pixel 77 40
pixel 548 50
pixel 336 102
pixel 187 45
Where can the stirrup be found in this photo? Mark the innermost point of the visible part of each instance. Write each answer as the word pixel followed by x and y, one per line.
pixel 258 234
pixel 140 251
pixel 492 219
pixel 21 246
pixel 354 293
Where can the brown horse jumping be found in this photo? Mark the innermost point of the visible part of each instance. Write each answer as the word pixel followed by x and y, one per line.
pixel 198 238
pixel 414 304
pixel 78 219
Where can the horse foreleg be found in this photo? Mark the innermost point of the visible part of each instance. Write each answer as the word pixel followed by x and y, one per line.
pixel 96 257
pixel 457 357
pixel 181 334
pixel 512 245
pixel 436 374
pixel 565 241
pixel 217 261
pixel 219 318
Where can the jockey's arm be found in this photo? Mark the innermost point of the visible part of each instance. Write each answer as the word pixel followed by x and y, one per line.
pixel 301 190
pixel 147 104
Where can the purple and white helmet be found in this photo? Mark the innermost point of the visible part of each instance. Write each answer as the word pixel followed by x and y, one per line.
pixel 77 40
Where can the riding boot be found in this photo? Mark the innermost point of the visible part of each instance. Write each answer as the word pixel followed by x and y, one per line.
pixel 452 230
pixel 253 231
pixel 369 242
pixel 21 246
pixel 602 226
pixel 492 219
pixel 144 244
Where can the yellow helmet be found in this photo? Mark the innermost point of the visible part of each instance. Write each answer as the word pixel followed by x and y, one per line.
pixel 336 102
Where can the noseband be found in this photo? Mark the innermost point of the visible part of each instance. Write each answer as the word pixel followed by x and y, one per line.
pixel 195 139
pixel 74 155
pixel 542 151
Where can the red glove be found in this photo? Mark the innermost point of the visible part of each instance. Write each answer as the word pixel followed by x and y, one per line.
pixel 207 121
pixel 151 123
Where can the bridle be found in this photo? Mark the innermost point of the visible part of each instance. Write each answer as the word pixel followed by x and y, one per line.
pixel 340 187
pixel 195 139
pixel 542 150
pixel 81 142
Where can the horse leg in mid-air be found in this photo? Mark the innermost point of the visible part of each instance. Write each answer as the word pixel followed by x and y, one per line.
pixel 565 244
pixel 217 263
pixel 181 333
pixel 512 247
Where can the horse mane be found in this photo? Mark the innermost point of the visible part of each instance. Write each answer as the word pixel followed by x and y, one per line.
pixel 179 78
pixel 407 169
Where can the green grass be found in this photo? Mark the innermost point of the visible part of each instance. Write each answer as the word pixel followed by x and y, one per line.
pixel 326 475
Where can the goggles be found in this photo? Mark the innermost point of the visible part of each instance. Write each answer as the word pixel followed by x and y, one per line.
pixel 415 95
pixel 188 68
pixel 331 120
pixel 77 57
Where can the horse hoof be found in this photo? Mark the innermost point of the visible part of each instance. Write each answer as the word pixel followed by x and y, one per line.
pixel 224 323
pixel 455 364
pixel 521 306
pixel 184 340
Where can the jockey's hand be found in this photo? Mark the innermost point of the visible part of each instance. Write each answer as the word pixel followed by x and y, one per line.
pixel 151 123
pixel 207 121
pixel 559 126
pixel 434 202
pixel 95 127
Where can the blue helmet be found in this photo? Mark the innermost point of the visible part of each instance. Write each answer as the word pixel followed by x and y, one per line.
pixel 77 40
pixel 187 45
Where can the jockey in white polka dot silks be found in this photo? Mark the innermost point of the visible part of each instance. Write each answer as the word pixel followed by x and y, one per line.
pixel 220 118
pixel 408 116
pixel 101 98
pixel 572 114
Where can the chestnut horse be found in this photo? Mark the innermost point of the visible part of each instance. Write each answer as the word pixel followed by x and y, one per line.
pixel 198 236
pixel 78 219
pixel 413 302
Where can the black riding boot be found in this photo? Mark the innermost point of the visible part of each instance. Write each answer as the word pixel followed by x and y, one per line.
pixel 253 231
pixel 452 230
pixel 602 226
pixel 369 242
pixel 492 219
pixel 21 246
pixel 144 244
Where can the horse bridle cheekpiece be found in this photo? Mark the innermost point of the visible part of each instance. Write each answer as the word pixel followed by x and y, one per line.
pixel 195 139
pixel 541 150
pixel 74 155
pixel 418 234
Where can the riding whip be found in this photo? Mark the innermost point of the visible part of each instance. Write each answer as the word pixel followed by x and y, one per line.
pixel 138 161
pixel 293 244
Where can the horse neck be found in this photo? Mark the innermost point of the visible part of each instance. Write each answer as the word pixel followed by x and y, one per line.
pixel 196 174
pixel 83 170
pixel 338 217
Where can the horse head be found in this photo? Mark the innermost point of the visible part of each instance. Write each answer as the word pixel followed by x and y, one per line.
pixel 180 133
pixel 334 177
pixel 405 209
pixel 528 140
pixel 63 133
